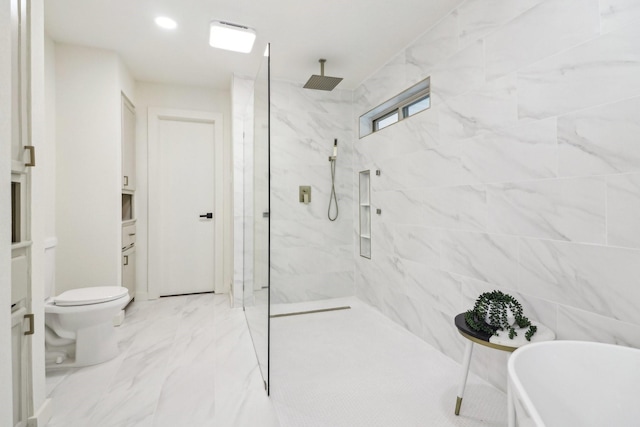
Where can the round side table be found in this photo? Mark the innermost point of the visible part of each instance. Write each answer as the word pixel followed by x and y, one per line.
pixel 479 337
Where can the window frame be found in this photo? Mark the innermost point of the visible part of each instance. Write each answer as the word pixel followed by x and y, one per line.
pixel 369 122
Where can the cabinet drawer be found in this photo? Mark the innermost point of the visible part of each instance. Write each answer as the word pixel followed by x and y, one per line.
pixel 128 235
pixel 19 278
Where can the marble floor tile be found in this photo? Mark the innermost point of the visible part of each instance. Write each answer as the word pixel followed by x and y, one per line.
pixel 190 362
pixel 184 361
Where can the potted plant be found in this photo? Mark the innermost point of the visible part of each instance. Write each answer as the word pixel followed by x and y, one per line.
pixel 495 311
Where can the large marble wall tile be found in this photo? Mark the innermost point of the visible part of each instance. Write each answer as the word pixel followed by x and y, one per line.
pixel 374 149
pixel 458 74
pixel 426 168
pixel 463 207
pixel 477 18
pixel 623 210
pixel 618 13
pixel 549 27
pixel 526 151
pixel 431 48
pixel 382 237
pixel 285 187
pixel 574 324
pixel 563 209
pixel 402 309
pixel 421 132
pixel 400 207
pixel 311 287
pixel 310 133
pixel 433 288
pixel 481 111
pixel 301 233
pixel 417 243
pixel 365 289
pixel 387 82
pixel 600 140
pixel 312 259
pixel 599 71
pixel 487 257
pixel 594 278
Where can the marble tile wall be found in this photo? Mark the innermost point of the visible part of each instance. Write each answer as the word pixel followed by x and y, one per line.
pixel 311 257
pixel 524 175
pixel 242 131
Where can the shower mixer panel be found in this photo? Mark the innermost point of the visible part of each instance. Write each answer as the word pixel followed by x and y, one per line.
pixel 305 194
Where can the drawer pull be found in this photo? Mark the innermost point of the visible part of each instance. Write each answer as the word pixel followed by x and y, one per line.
pixel 31 330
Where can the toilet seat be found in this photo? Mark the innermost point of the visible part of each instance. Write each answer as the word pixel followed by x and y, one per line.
pixel 92 295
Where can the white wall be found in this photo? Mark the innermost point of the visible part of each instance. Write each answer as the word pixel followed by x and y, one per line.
pixel 88 166
pixel 524 175
pixel 6 399
pixel 49 153
pixel 189 98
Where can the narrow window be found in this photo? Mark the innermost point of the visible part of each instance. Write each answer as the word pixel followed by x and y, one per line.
pixel 386 120
pixel 406 104
pixel 416 106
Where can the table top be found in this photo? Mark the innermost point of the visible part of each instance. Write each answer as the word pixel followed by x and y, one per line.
pixel 502 342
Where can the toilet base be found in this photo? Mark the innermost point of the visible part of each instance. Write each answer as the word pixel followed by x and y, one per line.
pixel 93 345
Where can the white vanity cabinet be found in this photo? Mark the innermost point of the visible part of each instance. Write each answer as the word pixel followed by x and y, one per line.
pixel 129 270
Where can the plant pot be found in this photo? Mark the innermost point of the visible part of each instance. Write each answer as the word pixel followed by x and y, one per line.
pixel 511 318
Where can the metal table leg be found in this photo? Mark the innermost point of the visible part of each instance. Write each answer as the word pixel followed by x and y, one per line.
pixel 511 409
pixel 465 372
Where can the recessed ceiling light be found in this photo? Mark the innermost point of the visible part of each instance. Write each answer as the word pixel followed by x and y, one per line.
pixel 228 36
pixel 166 23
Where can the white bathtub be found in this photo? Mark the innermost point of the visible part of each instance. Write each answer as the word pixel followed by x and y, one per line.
pixel 574 383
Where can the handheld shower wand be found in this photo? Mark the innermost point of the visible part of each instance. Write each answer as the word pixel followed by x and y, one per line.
pixel 333 197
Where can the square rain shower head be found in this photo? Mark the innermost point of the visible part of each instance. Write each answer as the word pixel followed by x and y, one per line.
pixel 322 82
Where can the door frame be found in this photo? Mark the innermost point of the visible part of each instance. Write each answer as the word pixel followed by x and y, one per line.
pixel 154 215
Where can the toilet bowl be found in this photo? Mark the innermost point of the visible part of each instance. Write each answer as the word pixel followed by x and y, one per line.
pixel 79 326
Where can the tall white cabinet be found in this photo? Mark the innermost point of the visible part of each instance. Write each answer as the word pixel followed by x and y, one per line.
pixel 128 195
pixel 22 159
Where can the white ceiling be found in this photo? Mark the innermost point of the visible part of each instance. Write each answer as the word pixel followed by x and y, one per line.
pixel 355 36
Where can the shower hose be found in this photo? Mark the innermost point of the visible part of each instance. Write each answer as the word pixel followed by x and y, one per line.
pixel 333 198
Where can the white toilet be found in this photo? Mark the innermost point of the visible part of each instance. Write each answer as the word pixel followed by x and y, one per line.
pixel 79 323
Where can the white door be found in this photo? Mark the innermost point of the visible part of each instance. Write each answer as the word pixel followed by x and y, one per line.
pixel 185 195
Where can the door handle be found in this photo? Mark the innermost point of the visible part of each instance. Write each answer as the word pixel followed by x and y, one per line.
pixel 207 215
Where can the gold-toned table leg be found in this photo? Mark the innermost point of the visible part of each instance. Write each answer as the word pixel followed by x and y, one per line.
pixel 458 405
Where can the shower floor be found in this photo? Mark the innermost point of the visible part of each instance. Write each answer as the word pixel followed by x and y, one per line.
pixel 356 368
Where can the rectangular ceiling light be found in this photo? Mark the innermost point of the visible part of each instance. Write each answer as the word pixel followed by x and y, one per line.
pixel 237 38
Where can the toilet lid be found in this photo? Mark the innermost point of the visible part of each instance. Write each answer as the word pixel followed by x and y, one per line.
pixel 93 295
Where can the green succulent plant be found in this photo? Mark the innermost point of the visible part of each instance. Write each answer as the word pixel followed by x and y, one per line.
pixel 495 305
